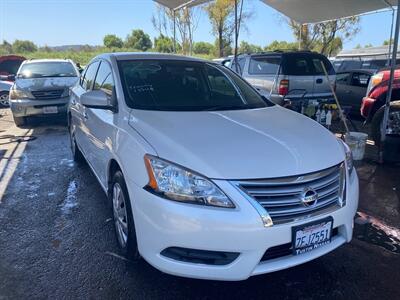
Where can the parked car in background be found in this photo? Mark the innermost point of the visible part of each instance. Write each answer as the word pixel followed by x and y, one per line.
pixel 373 103
pixel 5 87
pixel 351 88
pixel 42 87
pixel 9 65
pixel 206 178
pixel 371 58
pixel 225 61
pixel 274 74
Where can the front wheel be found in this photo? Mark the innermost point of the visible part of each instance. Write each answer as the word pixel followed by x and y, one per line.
pixel 123 217
pixel 76 153
pixel 393 122
pixel 4 99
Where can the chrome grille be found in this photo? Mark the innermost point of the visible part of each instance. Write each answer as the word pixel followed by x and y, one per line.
pixel 282 197
pixel 47 95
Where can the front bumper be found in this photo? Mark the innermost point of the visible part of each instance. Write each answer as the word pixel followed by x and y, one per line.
pixel 161 224
pixel 32 107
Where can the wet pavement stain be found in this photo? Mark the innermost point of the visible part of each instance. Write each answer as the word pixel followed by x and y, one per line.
pixel 374 231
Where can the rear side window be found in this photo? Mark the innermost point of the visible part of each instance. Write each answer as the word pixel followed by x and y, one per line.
pixel 297 64
pixel 317 63
pixel 301 64
pixel 264 65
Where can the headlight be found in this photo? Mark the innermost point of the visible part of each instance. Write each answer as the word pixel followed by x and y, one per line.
pixel 177 183
pixel 349 156
pixel 19 94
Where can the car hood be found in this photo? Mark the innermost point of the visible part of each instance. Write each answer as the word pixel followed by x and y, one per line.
pixel 5 85
pixel 242 144
pixel 48 83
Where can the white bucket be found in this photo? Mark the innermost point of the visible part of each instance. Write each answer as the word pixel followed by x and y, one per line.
pixel 356 141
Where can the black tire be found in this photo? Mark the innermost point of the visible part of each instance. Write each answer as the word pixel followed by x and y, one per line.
pixel 3 97
pixel 377 120
pixel 19 121
pixel 130 247
pixel 76 153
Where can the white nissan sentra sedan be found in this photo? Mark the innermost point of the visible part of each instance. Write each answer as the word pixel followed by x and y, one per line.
pixel 207 179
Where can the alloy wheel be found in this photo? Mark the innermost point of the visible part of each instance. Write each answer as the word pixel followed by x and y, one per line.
pixel 120 214
pixel 4 100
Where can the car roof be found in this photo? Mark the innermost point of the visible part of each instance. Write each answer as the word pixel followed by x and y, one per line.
pixel 148 55
pixel 280 52
pixel 370 71
pixel 46 60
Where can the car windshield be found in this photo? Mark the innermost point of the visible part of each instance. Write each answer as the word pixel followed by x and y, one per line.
pixel 173 85
pixel 47 69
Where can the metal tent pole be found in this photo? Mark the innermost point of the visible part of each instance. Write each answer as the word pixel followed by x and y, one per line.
pixel 236 37
pixel 174 31
pixel 390 84
pixel 391 35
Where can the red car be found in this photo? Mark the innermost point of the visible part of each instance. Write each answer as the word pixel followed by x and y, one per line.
pixel 9 64
pixel 372 107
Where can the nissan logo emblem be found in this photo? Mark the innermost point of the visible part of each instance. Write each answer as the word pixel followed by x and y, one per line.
pixel 309 197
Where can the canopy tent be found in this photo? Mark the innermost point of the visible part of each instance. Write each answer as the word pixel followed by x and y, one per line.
pixel 316 11
pixel 177 4
pixel 305 11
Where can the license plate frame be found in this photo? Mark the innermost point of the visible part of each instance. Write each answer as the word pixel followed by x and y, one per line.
pixel 325 223
pixel 50 109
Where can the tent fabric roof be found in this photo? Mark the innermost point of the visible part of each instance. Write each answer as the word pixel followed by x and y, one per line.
pixel 314 11
pixel 306 11
pixel 176 4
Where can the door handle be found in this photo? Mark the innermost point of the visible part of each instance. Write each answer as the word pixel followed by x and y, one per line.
pixel 319 80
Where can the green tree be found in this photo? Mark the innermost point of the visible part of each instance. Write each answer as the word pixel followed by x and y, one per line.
pixel 112 41
pixel 221 15
pixel 324 37
pixel 138 40
pixel 5 48
pixel 281 45
pixel 20 46
pixel 245 47
pixel 386 42
pixel 203 48
pixel 164 44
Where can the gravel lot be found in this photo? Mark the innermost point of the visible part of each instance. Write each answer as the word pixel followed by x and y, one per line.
pixel 56 238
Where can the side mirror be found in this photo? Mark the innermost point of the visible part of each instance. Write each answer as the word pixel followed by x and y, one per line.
pixel 11 77
pixel 97 99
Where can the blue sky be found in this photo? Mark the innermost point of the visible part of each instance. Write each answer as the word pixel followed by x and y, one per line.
pixel 62 22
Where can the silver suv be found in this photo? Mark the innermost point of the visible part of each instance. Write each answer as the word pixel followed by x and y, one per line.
pixel 42 87
pixel 290 75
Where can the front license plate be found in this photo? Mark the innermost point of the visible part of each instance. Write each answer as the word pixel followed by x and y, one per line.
pixel 310 236
pixel 50 110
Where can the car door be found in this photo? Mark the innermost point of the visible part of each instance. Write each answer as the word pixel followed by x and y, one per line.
pixel 358 88
pixel 100 124
pixel 322 89
pixel 78 111
pixel 343 87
